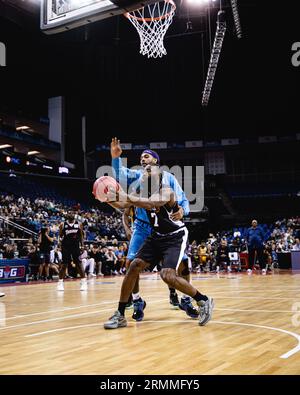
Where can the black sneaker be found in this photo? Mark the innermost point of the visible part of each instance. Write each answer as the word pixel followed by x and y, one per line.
pixel 129 305
pixel 138 309
pixel 174 300
pixel 187 306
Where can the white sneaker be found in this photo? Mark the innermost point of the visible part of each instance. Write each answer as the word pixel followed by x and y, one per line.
pixel 249 271
pixel 155 270
pixel 263 272
pixel 217 269
pixel 83 284
pixel 2 294
pixel 205 310
pixel 60 285
pixel 92 275
pixel 100 274
pixel 229 269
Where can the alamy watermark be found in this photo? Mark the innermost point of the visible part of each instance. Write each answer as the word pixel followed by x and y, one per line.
pixel 2 55
pixel 296 55
pixel 189 178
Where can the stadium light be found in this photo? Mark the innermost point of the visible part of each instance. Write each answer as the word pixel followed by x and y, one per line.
pixel 8 159
pixel 198 1
pixel 33 152
pixel 5 146
pixel 24 127
pixel 236 18
pixel 214 58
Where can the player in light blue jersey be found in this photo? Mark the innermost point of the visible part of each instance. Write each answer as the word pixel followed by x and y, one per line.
pixel 141 226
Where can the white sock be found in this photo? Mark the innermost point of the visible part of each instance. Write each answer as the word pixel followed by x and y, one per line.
pixel 136 296
pixel 61 280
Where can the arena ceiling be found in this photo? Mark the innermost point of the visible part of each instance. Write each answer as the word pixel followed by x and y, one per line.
pixel 102 74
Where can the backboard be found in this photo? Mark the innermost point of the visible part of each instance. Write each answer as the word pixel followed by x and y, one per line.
pixel 61 15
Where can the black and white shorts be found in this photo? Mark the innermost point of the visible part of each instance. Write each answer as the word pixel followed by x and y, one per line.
pixel 167 249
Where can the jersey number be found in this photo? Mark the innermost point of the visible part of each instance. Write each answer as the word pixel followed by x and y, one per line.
pixel 153 215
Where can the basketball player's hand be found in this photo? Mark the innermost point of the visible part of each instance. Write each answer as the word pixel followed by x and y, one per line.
pixel 178 215
pixel 116 196
pixel 115 148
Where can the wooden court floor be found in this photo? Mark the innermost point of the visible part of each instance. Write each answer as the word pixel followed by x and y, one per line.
pixel 255 329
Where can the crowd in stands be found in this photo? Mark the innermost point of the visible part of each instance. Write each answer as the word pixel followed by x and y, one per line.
pixel 33 213
pixel 219 251
pixel 106 247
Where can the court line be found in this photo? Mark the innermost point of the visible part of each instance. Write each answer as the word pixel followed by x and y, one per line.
pixel 65 309
pixel 154 301
pixel 253 290
pixel 256 311
pixel 55 311
pixel 283 356
pixel 53 319
pixel 253 297
pixel 63 317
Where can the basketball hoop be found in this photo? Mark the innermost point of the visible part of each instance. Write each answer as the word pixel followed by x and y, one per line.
pixel 152 23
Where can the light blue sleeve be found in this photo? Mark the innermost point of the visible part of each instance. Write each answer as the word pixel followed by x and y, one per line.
pixel 123 174
pixel 180 195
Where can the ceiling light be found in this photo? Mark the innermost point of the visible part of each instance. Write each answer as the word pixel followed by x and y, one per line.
pixel 214 58
pixel 24 127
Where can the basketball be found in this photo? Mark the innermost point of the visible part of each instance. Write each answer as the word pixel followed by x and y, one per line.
pixel 102 185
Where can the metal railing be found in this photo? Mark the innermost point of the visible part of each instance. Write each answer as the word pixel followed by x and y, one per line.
pixel 17 226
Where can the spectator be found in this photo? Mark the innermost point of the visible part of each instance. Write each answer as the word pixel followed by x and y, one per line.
pixel 296 246
pixel 88 261
pixel 202 253
pixel 255 238
pixel 274 255
pixel 34 262
pixel 111 261
pixel 222 258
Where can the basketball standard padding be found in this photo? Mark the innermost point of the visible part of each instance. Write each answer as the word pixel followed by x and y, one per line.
pixel 102 185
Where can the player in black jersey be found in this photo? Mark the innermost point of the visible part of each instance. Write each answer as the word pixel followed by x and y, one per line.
pixel 183 271
pixel 168 243
pixel 71 235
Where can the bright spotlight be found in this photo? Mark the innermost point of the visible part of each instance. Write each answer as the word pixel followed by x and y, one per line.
pixel 198 2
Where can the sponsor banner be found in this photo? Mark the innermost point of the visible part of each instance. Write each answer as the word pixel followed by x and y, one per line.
pixel 162 145
pixel 139 146
pixel 12 270
pixel 126 146
pixel 267 139
pixel 194 144
pixel 230 141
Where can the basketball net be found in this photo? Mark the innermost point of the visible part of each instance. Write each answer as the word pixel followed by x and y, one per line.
pixel 152 23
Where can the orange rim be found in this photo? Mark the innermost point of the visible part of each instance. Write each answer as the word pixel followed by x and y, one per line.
pixel 128 15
